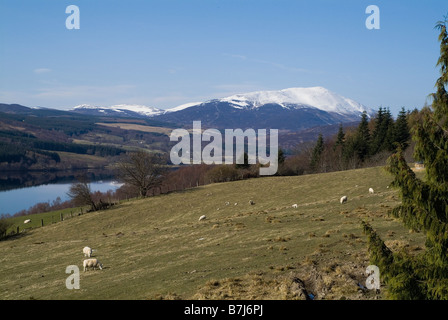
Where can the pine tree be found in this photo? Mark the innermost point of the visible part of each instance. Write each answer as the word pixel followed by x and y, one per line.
pixel 340 138
pixel 378 133
pixel 402 134
pixel 281 157
pixel 317 152
pixel 424 204
pixel 362 139
pixel 338 162
pixel 389 129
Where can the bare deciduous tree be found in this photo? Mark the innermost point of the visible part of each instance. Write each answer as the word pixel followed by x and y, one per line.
pixel 81 194
pixel 142 170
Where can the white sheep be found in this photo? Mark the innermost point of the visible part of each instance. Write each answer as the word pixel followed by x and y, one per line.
pixel 294 205
pixel 236 203
pixel 92 263
pixel 371 190
pixel 343 199
pixel 27 221
pixel 87 252
pixel 202 217
pixel 251 202
pixel 227 203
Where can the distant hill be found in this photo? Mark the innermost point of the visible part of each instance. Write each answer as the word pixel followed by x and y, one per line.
pixel 14 108
pixel 122 110
pixel 43 139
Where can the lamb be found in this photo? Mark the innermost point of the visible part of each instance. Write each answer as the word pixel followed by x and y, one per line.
pixel 294 205
pixel 371 190
pixel 343 199
pixel 87 252
pixel 202 217
pixel 27 221
pixel 92 263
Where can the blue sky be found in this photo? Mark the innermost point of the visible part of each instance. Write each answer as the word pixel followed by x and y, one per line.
pixel 166 53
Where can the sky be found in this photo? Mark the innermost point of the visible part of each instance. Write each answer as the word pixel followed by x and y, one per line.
pixel 165 53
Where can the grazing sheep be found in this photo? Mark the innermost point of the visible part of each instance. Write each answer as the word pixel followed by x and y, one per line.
pixel 343 199
pixel 227 203
pixel 202 217
pixel 236 203
pixel 294 205
pixel 371 190
pixel 27 221
pixel 87 252
pixel 92 263
pixel 251 202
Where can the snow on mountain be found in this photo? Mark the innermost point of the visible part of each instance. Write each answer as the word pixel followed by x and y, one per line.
pixel 122 108
pixel 148 111
pixel 295 98
pixel 182 107
pixel 316 97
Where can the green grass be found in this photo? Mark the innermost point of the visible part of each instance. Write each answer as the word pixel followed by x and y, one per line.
pixel 156 247
pixel 47 217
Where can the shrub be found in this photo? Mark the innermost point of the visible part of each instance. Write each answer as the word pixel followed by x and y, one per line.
pixel 4 225
pixel 222 173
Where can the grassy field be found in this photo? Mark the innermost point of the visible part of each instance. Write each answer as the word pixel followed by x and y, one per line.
pixel 156 248
pixel 137 127
pixel 47 217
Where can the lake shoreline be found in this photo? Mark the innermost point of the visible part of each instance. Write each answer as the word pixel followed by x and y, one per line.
pixel 21 191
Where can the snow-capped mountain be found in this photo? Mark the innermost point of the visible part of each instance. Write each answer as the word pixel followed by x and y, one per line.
pixel 317 97
pixel 120 110
pixel 183 106
pixel 292 109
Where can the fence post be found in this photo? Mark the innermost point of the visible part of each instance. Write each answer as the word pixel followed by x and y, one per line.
pixel 61 216
pixel 17 230
pixel 41 222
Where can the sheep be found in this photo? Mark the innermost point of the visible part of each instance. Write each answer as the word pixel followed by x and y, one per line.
pixel 236 203
pixel 203 217
pixel 251 202
pixel 371 190
pixel 92 263
pixel 227 203
pixel 294 205
pixel 343 199
pixel 27 221
pixel 87 252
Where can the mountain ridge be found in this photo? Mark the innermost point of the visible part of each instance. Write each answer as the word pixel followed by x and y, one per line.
pixel 290 109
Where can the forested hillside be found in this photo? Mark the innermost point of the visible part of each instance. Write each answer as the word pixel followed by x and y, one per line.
pixel 33 139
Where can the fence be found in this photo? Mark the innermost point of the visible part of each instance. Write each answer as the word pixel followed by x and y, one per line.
pixel 37 223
